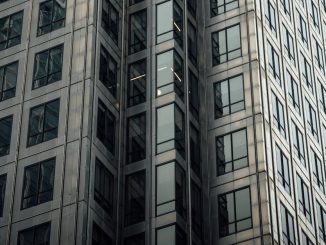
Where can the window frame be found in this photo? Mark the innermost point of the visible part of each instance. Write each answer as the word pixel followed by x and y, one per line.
pixel 44 105
pixel 232 153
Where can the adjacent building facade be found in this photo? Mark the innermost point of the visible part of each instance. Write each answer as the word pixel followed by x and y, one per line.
pixel 163 122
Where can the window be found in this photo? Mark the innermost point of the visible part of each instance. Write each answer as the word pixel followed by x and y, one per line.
pixel 311 120
pixel 193 94
pixel 287 227
pixel 39 234
pixel 169 74
pixel 192 43
pixel 234 212
pixel 231 151
pixel 303 30
pixel 274 63
pixel 106 127
pixel 48 67
pixel 138 239
pixel 298 144
pixel 314 15
pixel 132 2
pixel 288 44
pixel 52 16
pixel 11 30
pixel 306 76
pixel 196 209
pixel 104 187
pixel 43 122
pixel 303 196
pixel 171 189
pixel 322 96
pixel 293 91
pixel 321 214
pixel 3 180
pixel 108 71
pixel 137 83
pixel 318 54
pixel 222 6
pixel 287 8
pixel 226 44
pixel 169 22
pixel 138 32
pixel 110 20
pixel 171 235
pixel 283 171
pixel 229 96
pixel 136 138
pixel 305 239
pixel 278 115
pixel 270 16
pixel 317 170
pixel 5 135
pixel 38 183
pixel 195 150
pixel 170 126
pixel 8 80
pixel 99 237
pixel 135 197
pixel 192 7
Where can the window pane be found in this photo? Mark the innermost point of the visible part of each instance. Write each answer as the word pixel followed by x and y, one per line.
pixel 164 28
pixel 166 236
pixel 165 188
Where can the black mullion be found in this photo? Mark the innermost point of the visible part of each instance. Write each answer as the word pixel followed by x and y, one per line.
pixel 47 64
pixel 53 5
pixel 38 183
pixel 226 45
pixel 44 119
pixel 229 95
pixel 234 206
pixel 232 159
pixel 1 89
pixel 8 31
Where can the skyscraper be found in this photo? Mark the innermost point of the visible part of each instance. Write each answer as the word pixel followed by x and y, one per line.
pixel 162 122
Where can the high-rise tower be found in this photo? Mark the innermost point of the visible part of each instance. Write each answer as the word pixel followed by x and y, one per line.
pixel 162 122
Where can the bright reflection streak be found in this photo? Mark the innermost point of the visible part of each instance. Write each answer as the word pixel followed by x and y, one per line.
pixel 135 78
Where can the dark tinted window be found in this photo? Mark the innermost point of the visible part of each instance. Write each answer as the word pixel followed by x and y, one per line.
pixel 38 183
pixel 135 197
pixel 8 80
pixel 99 237
pixel 137 83
pixel 5 135
pixel 10 30
pixel 43 122
pixel 36 235
pixel 138 32
pixel 108 71
pixel 234 211
pixel 136 138
pixel 3 180
pixel 106 127
pixel 226 44
pixel 231 152
pixel 110 20
pixel 52 16
pixel 104 187
pixel 229 96
pixel 48 66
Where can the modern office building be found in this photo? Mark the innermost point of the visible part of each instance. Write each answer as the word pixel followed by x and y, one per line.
pixel 162 122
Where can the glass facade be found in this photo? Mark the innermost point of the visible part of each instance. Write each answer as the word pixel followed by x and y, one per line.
pixel 162 122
